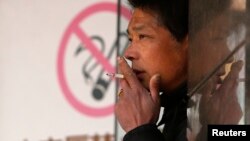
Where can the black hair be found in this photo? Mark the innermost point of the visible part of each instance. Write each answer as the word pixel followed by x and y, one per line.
pixel 203 12
pixel 172 14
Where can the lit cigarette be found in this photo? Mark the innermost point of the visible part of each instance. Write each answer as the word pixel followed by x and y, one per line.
pixel 115 75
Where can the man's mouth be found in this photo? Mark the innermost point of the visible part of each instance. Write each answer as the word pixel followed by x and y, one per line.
pixel 139 73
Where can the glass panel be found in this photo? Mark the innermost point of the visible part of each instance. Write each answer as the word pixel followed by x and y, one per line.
pixel 217 64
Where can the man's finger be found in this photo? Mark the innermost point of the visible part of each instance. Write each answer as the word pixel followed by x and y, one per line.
pixel 128 73
pixel 235 69
pixel 230 83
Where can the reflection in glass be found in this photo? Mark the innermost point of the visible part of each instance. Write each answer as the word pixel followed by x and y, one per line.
pixel 217 63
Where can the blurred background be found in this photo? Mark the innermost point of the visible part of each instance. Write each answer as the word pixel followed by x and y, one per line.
pixel 54 56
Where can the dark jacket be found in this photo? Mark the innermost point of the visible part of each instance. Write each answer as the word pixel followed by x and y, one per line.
pixel 174 119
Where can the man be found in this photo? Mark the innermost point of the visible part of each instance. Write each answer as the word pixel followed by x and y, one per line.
pixel 158 51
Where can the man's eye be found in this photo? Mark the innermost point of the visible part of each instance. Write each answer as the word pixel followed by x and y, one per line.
pixel 142 36
pixel 129 39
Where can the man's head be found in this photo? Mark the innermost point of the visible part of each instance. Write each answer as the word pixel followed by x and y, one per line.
pixel 201 13
pixel 158 41
pixel 209 27
pixel 171 14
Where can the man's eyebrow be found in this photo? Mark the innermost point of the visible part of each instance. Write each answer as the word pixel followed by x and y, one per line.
pixel 137 28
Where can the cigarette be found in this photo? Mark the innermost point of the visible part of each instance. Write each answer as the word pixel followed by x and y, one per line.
pixel 115 75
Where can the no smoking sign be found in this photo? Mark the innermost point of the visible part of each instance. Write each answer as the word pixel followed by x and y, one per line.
pixel 84 57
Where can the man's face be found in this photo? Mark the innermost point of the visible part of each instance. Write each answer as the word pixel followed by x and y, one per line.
pixel 208 49
pixel 153 50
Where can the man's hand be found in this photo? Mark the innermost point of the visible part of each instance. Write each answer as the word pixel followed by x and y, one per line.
pixel 136 105
pixel 222 106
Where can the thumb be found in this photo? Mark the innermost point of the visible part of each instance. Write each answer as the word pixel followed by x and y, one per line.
pixel 154 86
pixel 235 69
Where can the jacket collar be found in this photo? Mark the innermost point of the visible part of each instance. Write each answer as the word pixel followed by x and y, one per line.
pixel 170 100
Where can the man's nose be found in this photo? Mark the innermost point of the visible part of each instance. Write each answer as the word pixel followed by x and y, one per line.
pixel 131 53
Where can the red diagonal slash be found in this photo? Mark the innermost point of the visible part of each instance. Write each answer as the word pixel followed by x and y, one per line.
pixel 94 51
